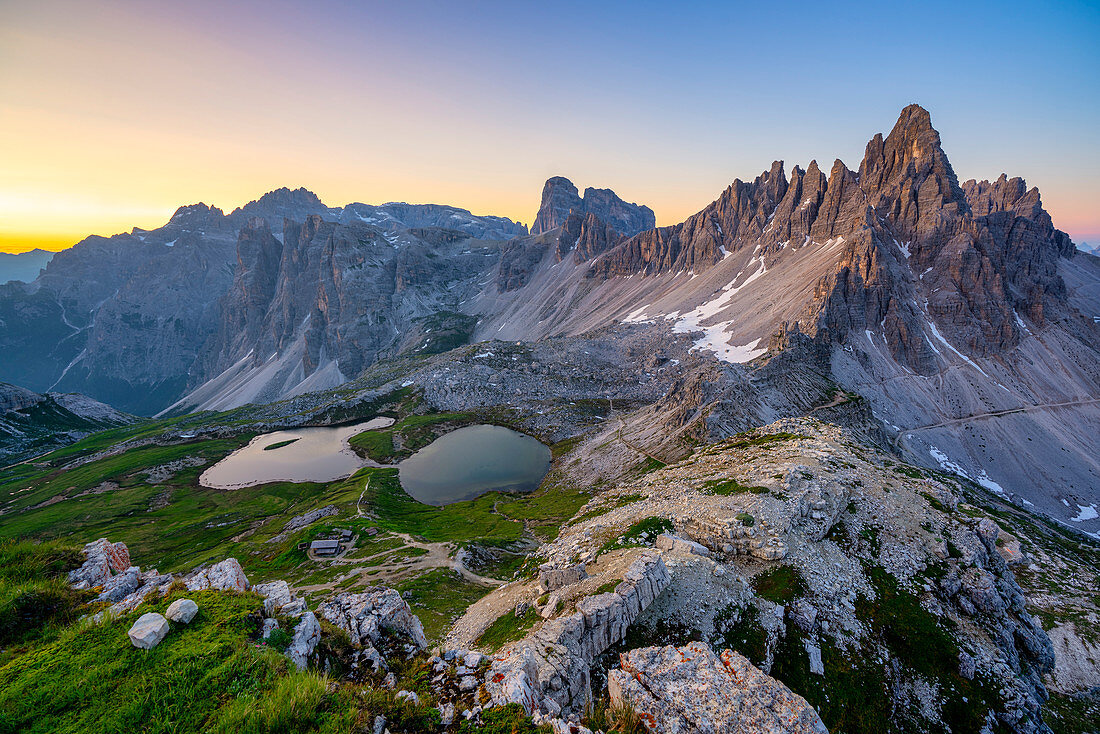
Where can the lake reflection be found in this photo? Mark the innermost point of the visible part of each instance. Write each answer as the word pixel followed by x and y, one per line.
pixel 471 461
pixel 318 455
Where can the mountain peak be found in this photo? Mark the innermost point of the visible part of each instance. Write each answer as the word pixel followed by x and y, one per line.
pixel 195 214
pixel 560 198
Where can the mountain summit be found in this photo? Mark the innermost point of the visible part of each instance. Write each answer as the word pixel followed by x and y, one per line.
pixel 957 311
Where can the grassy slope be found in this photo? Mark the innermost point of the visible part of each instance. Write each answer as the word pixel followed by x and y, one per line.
pixel 205 676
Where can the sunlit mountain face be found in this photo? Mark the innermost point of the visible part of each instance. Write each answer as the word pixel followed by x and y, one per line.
pixel 643 399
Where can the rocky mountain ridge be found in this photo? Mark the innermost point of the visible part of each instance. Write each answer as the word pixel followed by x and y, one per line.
pixel 31 423
pixel 23 266
pixel 560 200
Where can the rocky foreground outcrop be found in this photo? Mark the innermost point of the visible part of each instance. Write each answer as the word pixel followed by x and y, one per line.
pixel 690 689
pixel 549 671
pixel 376 621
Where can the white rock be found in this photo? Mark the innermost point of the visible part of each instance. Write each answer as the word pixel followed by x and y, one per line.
pixel 270 625
pixel 225 576
pixel 306 636
pixel 148 631
pixel 182 610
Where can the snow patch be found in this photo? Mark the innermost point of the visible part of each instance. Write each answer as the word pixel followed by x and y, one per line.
pixel 1086 513
pixel 950 466
pixel 936 333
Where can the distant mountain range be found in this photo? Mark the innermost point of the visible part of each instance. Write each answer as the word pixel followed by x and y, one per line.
pixel 957 310
pixel 31 423
pixel 24 266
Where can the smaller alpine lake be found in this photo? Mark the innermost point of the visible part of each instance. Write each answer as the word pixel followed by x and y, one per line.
pixel 471 461
pixel 457 466
pixel 305 455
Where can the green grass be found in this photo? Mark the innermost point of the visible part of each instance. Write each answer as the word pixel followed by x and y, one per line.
pixel 439 597
pixel 279 444
pixel 35 596
pixel 649 465
pixel 1078 714
pixel 459 522
pixel 745 519
pixel 376 445
pixel 507 628
pixel 415 432
pixel 781 585
pixel 642 533
pixel 728 487
pixel 510 719
pixel 205 676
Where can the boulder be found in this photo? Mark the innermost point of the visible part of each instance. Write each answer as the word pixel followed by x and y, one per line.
pixel 306 636
pixel 148 631
pixel 117 588
pixel 679 545
pixel 102 558
pixel 182 610
pixel 276 595
pixel 366 615
pixel 225 576
pixel 552 578
pixel 689 689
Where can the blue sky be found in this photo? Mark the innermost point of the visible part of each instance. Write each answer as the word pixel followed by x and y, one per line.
pixel 121 111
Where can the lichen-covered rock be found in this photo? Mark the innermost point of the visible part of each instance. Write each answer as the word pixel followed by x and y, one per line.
pixel 279 598
pixel 148 631
pixel 182 610
pixel 102 559
pixel 224 576
pixel 690 689
pixel 364 616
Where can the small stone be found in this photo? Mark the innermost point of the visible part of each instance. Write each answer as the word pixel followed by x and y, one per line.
pixel 182 610
pixel 409 696
pixel 467 683
pixel 148 631
pixel 270 625
pixel 447 714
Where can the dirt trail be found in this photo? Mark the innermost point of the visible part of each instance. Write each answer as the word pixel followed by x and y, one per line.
pixel 635 447
pixel 1006 411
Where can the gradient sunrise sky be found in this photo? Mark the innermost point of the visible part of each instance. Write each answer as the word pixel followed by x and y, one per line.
pixel 113 113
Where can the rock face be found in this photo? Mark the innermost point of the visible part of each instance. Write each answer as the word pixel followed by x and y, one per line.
pixel 690 689
pixel 103 559
pixel 560 199
pixel 982 250
pixel 148 631
pixel 368 615
pixel 226 575
pixel 307 634
pixel 549 670
pixel 316 305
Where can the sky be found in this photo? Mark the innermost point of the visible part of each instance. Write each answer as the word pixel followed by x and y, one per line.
pixel 114 113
